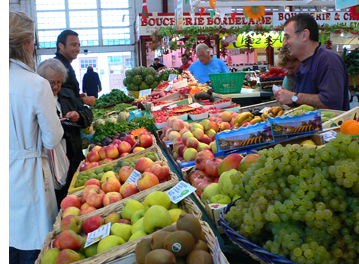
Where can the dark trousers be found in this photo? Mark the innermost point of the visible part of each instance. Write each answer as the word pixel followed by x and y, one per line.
pixel 18 256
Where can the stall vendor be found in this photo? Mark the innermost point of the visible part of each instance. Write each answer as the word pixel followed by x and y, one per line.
pixel 322 79
pixel 185 62
pixel 206 64
pixel 157 65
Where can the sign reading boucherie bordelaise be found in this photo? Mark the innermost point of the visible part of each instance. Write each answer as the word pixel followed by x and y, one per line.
pixel 154 22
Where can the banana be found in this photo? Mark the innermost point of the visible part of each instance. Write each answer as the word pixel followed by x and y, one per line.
pixel 256 120
pixel 242 117
pixel 270 110
pixel 244 121
pixel 280 113
pixel 276 110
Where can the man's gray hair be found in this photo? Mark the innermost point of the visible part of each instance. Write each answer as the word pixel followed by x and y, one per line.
pixel 203 47
pixel 54 64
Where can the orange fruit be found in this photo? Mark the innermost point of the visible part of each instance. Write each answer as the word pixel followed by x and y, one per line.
pixel 344 126
pixel 353 129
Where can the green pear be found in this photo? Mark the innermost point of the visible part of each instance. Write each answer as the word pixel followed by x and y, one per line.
pixel 225 184
pixel 175 214
pixel 91 250
pixel 109 242
pixel 50 256
pixel 137 215
pixel 131 206
pixel 156 217
pixel 121 230
pixel 220 199
pixel 138 226
pixel 157 198
pixel 173 206
pixel 137 234
pixel 210 191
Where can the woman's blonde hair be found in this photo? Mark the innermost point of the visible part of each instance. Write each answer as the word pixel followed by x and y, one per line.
pixel 21 29
pixel 284 57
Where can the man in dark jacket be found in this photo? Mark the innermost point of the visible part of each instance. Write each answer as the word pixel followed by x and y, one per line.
pixel 68 47
pixel 70 108
pixel 91 83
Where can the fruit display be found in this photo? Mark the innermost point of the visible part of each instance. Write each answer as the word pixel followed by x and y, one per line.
pixel 183 242
pixel 326 115
pixel 115 96
pixel 121 145
pixel 301 203
pixel 157 95
pixel 141 78
pixel 130 219
pixel 272 73
pixel 350 127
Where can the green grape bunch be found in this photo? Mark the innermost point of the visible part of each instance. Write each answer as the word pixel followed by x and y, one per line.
pixel 301 204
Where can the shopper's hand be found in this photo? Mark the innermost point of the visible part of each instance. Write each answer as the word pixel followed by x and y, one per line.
pixel 83 95
pixel 89 100
pixel 73 116
pixel 284 96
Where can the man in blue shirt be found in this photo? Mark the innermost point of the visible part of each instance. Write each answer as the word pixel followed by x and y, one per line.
pixel 206 64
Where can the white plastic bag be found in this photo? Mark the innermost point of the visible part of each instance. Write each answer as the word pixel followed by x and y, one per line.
pixel 59 164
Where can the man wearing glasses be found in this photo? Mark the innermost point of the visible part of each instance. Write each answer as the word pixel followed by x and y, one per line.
pixel 322 79
pixel 206 64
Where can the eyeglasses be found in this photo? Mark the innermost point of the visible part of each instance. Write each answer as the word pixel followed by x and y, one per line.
pixel 53 83
pixel 286 36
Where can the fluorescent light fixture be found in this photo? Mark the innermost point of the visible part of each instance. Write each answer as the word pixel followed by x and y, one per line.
pixel 239 9
pixel 286 8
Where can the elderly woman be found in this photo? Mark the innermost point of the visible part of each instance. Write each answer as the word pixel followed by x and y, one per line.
pixel 290 64
pixel 33 124
pixel 70 108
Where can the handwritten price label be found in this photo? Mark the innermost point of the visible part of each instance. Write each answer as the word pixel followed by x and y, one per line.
pixel 135 175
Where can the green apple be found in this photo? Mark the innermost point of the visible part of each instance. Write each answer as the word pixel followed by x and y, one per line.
pixel 156 217
pixel 173 206
pixel 175 214
pixel 81 250
pixel 225 184
pixel 50 256
pixel 82 256
pixel 210 191
pixel 138 234
pixel 157 198
pixel 137 215
pixel 91 250
pixel 138 226
pixel 121 230
pixel 131 206
pixel 109 242
pixel 220 199
pixel 237 196
pixel 113 218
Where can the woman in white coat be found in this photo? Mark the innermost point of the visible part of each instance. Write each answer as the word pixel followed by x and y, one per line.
pixel 33 125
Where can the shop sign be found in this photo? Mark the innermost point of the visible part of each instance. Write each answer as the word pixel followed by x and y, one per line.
pixel 330 18
pixel 258 40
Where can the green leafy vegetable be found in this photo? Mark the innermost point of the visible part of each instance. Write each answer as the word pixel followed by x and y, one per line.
pixel 114 96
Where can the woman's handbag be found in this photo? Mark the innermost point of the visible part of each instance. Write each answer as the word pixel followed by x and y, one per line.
pixel 59 164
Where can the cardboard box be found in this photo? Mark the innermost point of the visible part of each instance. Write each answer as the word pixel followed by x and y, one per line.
pixel 214 210
pixel 337 121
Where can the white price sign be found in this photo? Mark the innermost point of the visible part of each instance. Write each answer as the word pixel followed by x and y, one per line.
pixel 98 234
pixel 145 92
pixel 217 253
pixel 180 191
pixel 168 88
pixel 328 135
pixel 171 77
pixel 135 175
pixel 275 88
pixel 195 105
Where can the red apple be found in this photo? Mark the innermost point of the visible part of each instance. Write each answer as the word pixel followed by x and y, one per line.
pixel 211 167
pixel 144 132
pixel 130 139
pixel 93 156
pixel 143 164
pixel 106 160
pixel 145 141
pixel 147 180
pixel 137 149
pixel 124 147
pixel 67 256
pixel 92 182
pixel 92 223
pixel 111 197
pixel 111 185
pixel 216 180
pixel 84 206
pixel 71 222
pixel 55 244
pixel 88 210
pixel 88 188
pixel 116 142
pixel 84 165
pixel 205 139
pixel 69 239
pixel 125 172
pixel 82 199
pixel 72 210
pixel 112 152
pixel 95 197
pixel 102 152
pixel 93 165
pixel 124 221
pixel 201 186
pixel 124 154
pixel 70 200
pixel 162 171
pixel 128 188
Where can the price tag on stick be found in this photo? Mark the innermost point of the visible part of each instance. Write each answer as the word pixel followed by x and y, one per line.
pixel 180 191
pixel 168 88
pixel 135 175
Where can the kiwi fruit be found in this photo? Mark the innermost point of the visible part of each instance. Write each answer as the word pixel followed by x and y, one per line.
pixel 200 245
pixel 180 243
pixel 170 228
pixel 190 223
pixel 142 249
pixel 180 260
pixel 160 256
pixel 158 238
pixel 202 237
pixel 199 257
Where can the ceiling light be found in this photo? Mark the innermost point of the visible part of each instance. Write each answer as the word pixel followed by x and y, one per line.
pixel 324 9
pixel 286 8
